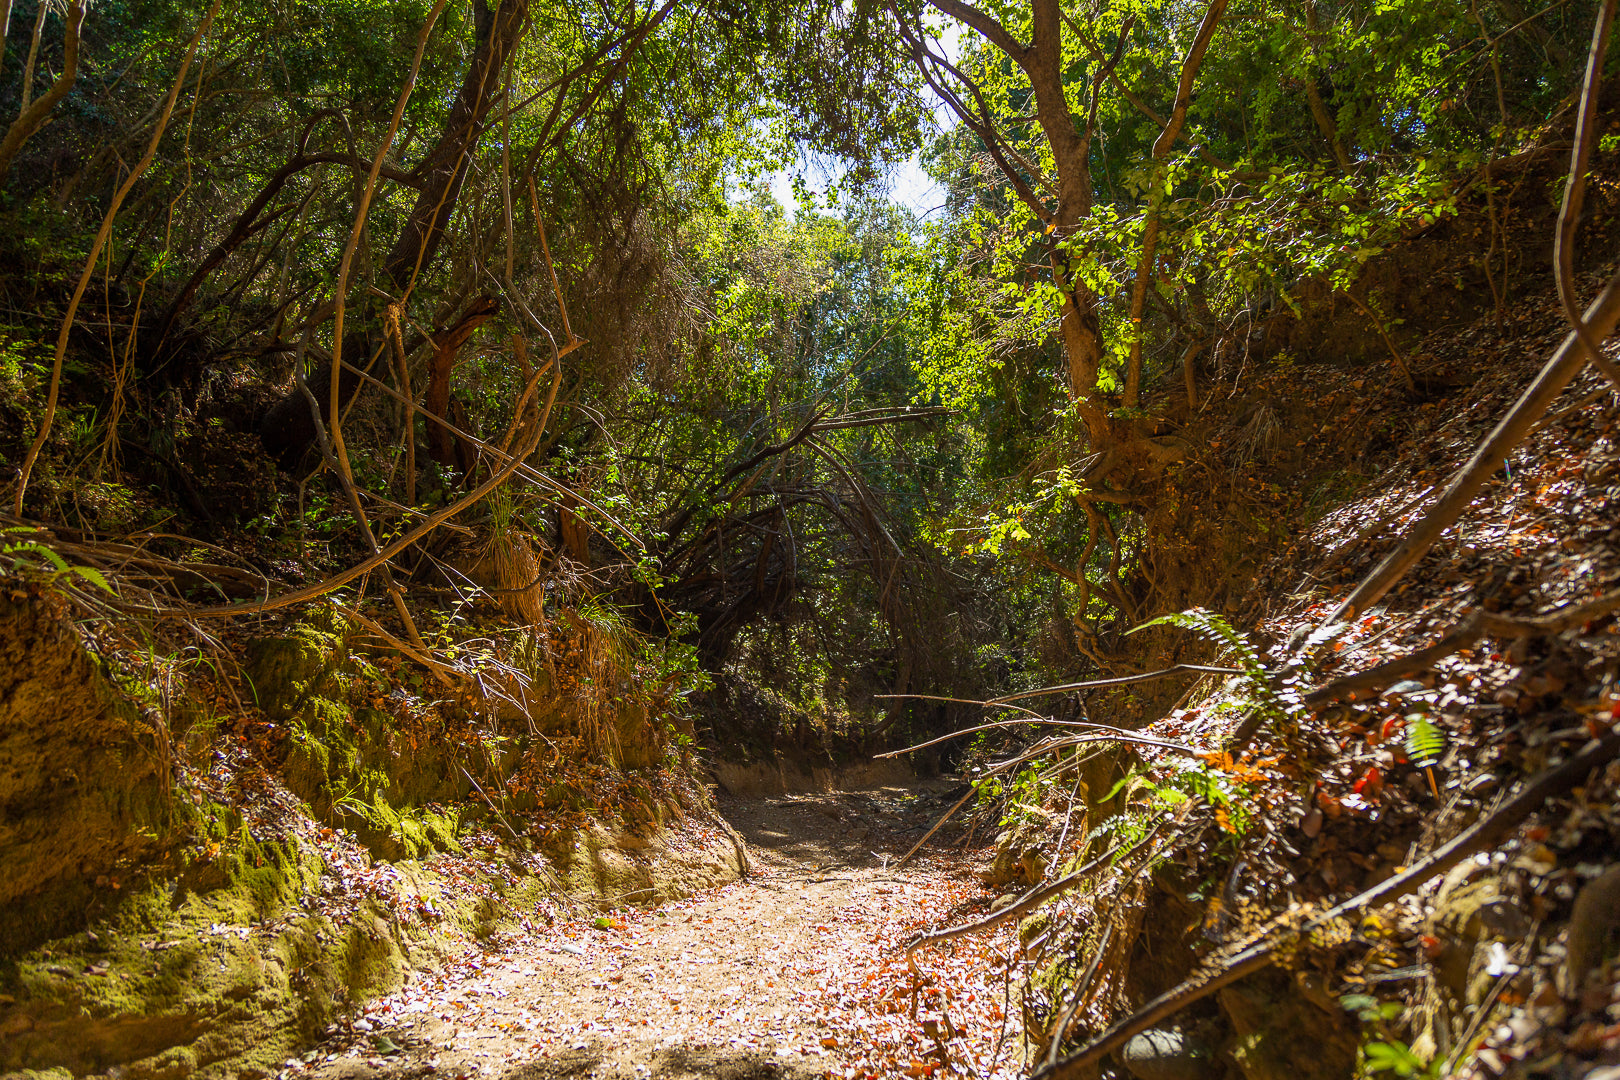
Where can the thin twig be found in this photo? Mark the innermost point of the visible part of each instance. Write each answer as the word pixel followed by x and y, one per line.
pixel 1123 680
pixel 971 791
pixel 335 462
pixel 528 472
pixel 1579 347
pixel 1106 732
pixel 334 400
pixel 1081 989
pixel 407 400
pixel 1389 343
pixel 1474 626
pixel 103 235
pixel 1487 459
pixel 338 580
pixel 1031 900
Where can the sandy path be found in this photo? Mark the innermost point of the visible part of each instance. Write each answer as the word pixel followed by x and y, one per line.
pixel 795 971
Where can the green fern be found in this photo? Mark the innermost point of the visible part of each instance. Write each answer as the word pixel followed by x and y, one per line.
pixel 1425 742
pixel 1256 679
pixel 18 550
pixel 29 547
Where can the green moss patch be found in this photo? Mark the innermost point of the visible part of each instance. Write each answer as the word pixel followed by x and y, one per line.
pixel 84 799
pixel 171 934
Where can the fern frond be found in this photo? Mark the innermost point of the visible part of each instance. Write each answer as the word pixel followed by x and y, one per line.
pixel 1255 678
pixel 1425 742
pixel 29 547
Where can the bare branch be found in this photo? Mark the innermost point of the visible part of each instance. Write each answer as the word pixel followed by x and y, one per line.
pixel 96 247
pixel 1569 214
pixel 1031 900
pixel 1189 75
pixel 495 480
pixel 334 399
pixel 991 30
pixel 33 114
pixel 980 122
pixel 1473 627
pixel 1161 150
pixel 1566 363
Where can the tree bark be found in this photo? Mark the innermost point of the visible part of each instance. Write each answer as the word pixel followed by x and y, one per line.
pixel 288 428
pixel 1313 97
pixel 446 351
pixel 573 531
pixel 1071 157
pixel 1326 125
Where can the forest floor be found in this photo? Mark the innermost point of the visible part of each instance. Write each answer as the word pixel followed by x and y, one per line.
pixel 798 970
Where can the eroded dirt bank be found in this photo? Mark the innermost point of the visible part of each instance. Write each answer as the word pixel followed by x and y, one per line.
pixel 797 970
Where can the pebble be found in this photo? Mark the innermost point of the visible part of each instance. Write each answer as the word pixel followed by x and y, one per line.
pixel 1311 823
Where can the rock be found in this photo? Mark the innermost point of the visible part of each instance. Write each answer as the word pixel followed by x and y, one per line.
pixel 1018 857
pixel 1311 823
pixel 1166 1054
pixel 1284 1029
pixel 1405 688
pixel 1504 917
pixel 1472 910
pixel 1593 924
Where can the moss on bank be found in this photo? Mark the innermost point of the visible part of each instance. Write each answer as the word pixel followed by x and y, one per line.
pixel 238 976
pixel 84 801
pixel 167 929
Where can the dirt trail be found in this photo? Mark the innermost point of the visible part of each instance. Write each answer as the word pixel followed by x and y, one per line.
pixel 794 972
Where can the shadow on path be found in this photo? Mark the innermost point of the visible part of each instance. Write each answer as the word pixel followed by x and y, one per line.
pixel 820 831
pixel 675 1063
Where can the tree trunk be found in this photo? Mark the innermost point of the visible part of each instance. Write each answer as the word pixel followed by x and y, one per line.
pixel 573 531
pixel 446 352
pixel 1150 232
pixel 288 429
pixel 1313 96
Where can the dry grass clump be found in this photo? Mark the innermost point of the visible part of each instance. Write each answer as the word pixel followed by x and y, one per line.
pixel 520 573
